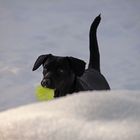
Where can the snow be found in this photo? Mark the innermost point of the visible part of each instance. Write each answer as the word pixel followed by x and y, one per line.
pixel 29 28
pixel 111 115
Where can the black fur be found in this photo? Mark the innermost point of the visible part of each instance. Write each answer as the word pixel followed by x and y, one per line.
pixel 68 75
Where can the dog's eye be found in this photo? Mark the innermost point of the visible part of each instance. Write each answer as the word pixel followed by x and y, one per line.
pixel 60 70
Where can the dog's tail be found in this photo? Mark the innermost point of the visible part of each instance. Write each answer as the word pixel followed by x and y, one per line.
pixel 94 61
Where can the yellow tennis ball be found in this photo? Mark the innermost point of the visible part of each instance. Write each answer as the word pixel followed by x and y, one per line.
pixel 43 94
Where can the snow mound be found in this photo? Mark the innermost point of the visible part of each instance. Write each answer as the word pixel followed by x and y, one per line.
pixel 112 115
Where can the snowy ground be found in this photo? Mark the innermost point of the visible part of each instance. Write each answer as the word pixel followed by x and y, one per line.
pixel 84 116
pixel 29 28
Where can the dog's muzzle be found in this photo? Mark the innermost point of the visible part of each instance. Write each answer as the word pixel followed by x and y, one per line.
pixel 46 83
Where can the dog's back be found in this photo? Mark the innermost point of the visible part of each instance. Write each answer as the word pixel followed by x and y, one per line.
pixel 93 80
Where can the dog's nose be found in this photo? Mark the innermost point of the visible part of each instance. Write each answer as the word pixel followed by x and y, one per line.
pixel 46 82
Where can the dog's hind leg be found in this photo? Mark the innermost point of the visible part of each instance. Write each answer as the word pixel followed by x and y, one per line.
pixel 94 61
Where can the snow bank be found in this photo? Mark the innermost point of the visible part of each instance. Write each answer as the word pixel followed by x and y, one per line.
pixel 113 115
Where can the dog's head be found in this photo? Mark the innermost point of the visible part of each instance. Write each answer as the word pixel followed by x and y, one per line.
pixel 59 72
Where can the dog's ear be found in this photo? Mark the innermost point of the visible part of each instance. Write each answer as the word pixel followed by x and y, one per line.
pixel 77 65
pixel 40 60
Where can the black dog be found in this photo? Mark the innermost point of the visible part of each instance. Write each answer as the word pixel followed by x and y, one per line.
pixel 68 75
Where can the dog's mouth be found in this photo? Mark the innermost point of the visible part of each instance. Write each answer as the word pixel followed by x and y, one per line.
pixel 45 86
pixel 47 83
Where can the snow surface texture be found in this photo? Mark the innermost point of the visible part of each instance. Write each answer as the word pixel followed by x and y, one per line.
pixel 85 116
pixel 29 28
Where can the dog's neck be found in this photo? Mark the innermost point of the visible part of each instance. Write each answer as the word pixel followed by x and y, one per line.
pixel 76 86
pixel 71 88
